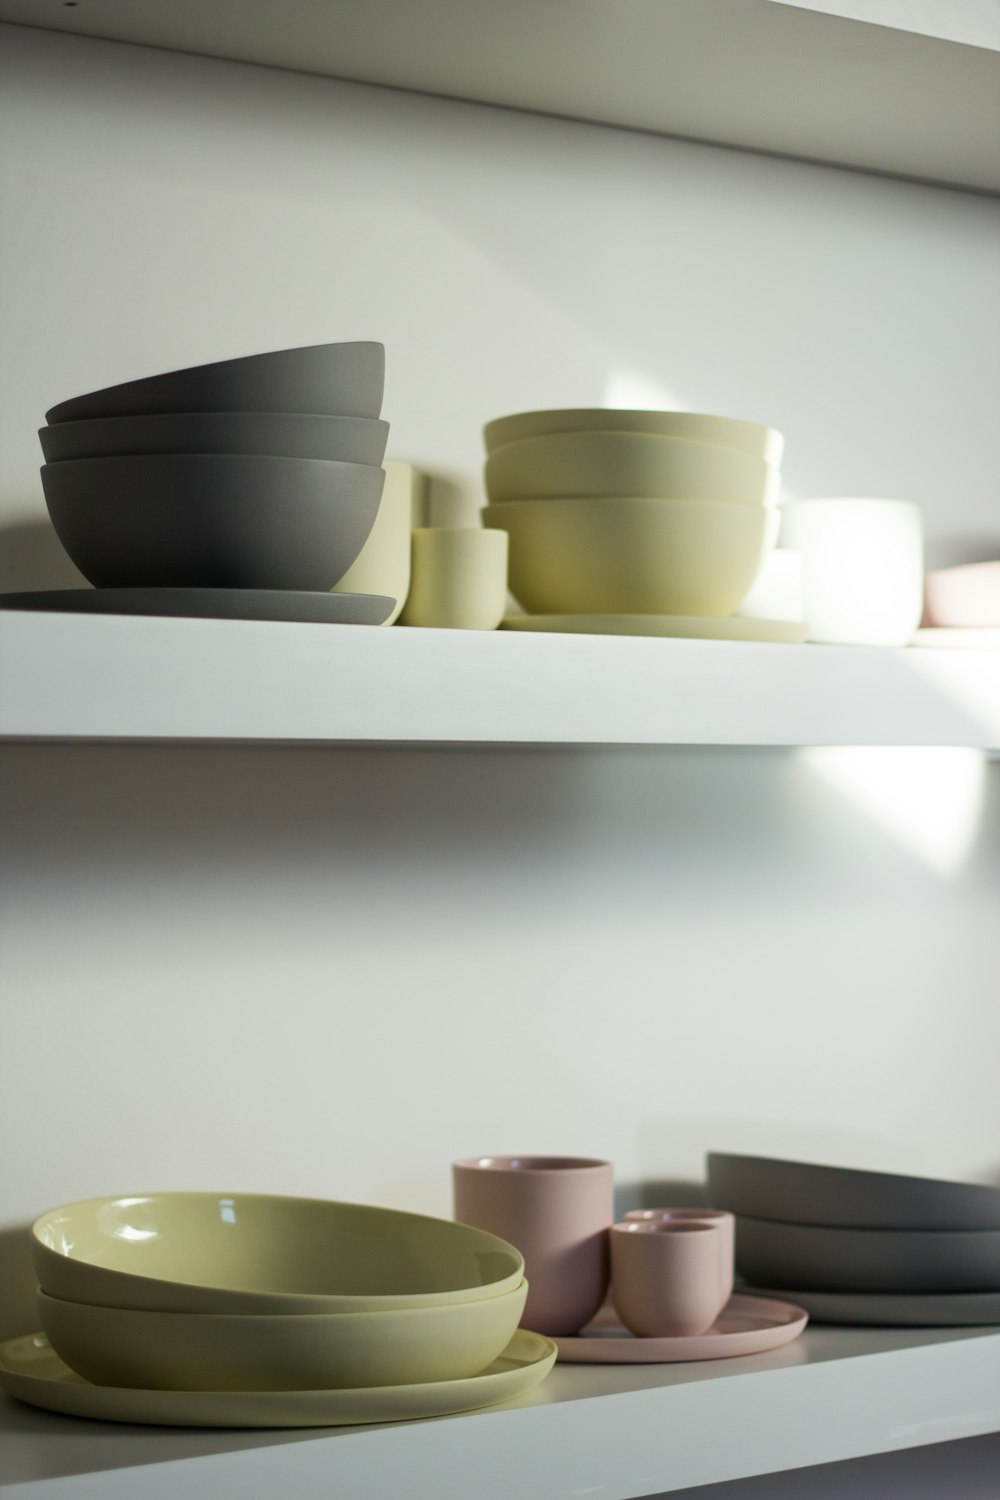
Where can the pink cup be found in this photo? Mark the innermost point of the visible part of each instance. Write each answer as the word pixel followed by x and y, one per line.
pixel 724 1221
pixel 557 1211
pixel 667 1276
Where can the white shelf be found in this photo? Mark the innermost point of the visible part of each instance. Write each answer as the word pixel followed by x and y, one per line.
pixel 616 1432
pixel 94 677
pixel 786 78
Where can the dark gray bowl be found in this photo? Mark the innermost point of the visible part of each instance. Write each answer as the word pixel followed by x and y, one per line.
pixel 352 440
pixel 212 520
pixel 336 379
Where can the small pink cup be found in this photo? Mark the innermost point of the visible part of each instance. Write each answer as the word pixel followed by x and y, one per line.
pixel 723 1221
pixel 557 1210
pixel 667 1276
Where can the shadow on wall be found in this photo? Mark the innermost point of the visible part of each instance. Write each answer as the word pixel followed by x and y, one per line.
pixel 17 1311
pixel 32 557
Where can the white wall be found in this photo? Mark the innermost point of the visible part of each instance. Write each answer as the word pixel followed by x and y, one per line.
pixel 333 971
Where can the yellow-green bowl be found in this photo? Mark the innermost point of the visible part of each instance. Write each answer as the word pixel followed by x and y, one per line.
pixel 258 1253
pixel 633 556
pixel 232 1352
pixel 725 432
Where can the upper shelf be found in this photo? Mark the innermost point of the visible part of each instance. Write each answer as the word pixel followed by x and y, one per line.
pixel 612 1431
pixel 763 75
pixel 114 678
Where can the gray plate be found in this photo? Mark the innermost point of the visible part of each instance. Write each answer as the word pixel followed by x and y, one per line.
pixel 212 604
pixel 339 379
pixel 895 1310
pixel 765 1187
pixel 867 1260
pixel 353 440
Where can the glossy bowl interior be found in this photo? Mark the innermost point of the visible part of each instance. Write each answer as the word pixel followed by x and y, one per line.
pixel 337 379
pixel 353 440
pixel 262 1254
pixel 633 556
pixel 639 464
pixel 726 432
pixel 233 1352
pixel 212 520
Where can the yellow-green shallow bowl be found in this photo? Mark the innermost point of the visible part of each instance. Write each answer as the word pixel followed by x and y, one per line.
pixel 724 432
pixel 31 1371
pixel 322 1351
pixel 259 1253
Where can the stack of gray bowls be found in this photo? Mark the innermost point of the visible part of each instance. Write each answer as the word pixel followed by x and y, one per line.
pixel 257 473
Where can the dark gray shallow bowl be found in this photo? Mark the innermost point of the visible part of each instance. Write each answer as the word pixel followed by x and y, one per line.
pixel 799 1192
pixel 338 379
pixel 352 440
pixel 815 1257
pixel 211 604
pixel 212 520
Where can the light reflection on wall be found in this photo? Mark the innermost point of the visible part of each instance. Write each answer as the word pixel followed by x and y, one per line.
pixel 631 390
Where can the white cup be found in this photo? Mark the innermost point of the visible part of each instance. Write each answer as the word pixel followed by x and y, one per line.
pixel 862 568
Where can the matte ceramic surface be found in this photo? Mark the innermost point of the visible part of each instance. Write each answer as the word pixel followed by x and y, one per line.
pixel 581 464
pixel 723 1220
pixel 670 1278
pixel 383 564
pixel 31 1371
pixel 240 1352
pixel 767 1187
pixel 726 432
pixel 967 596
pixel 212 520
pixel 777 589
pixel 336 379
pixel 557 1210
pixel 748 1325
pixel 213 604
pixel 696 627
pixel 889 1310
pixel 459 579
pixel 259 1253
pixel 634 556
pixel 353 440
pixel 867 1260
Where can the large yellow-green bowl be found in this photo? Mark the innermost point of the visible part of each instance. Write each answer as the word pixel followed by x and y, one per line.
pixel 233 1352
pixel 648 464
pixel 726 432
pixel 259 1253
pixel 633 556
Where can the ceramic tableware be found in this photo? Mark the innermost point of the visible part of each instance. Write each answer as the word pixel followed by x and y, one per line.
pixel 557 1210
pixel 898 1309
pixel 770 1253
pixel 669 1277
pixel 862 568
pixel 723 1221
pixel 383 564
pixel 311 1351
pixel 459 579
pixel 767 1187
pixel 947 638
pixel 725 432
pixel 212 520
pixel 777 590
pixel 963 597
pixel 339 379
pixel 747 1325
pixel 353 440
pixel 582 464
pixel 31 1371
pixel 262 1253
pixel 691 627
pixel 633 556
pixel 213 604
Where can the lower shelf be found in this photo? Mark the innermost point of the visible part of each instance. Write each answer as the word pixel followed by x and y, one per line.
pixel 615 1432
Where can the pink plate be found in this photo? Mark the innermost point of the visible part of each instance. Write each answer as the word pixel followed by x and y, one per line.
pixel 747 1325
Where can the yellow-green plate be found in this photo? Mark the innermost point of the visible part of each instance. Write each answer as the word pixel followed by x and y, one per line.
pixel 31 1371
pixel 700 627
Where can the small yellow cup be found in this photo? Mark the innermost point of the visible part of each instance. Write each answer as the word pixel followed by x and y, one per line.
pixel 458 578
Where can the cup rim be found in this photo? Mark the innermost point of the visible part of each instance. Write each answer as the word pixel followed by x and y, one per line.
pixel 535 1164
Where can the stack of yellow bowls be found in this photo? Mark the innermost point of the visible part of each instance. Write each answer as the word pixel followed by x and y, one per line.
pixel 632 512
pixel 252 1292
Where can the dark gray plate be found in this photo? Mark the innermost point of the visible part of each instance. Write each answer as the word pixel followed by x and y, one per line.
pixel 798 1192
pixel 212 604
pixel 895 1310
pixel 339 379
pixel 353 440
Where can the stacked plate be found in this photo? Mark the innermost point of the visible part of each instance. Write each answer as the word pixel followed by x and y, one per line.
pixel 863 1247
pixel 215 489
pixel 253 1310
pixel 639 522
